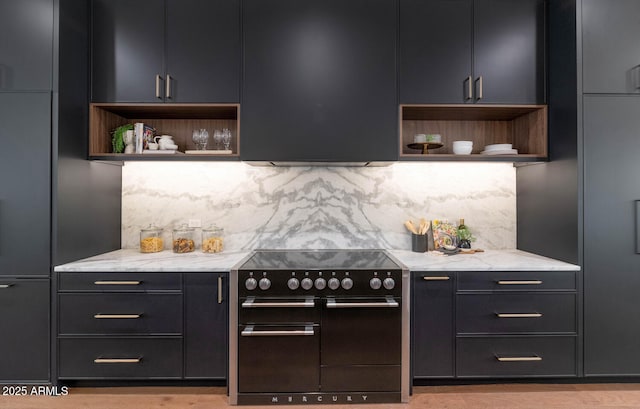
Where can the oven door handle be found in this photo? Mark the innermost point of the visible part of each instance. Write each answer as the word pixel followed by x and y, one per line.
pixel 249 331
pixel 389 303
pixel 251 303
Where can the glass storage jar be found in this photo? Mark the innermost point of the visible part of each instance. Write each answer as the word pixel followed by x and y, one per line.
pixel 151 239
pixel 183 239
pixel 212 239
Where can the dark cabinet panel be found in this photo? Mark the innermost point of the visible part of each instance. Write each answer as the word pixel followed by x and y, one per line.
pixel 435 50
pixel 508 55
pixel 611 265
pixel 319 80
pixel 432 352
pixel 206 325
pixel 610 46
pixel 26 49
pixel 25 194
pixel 24 325
pixel 203 50
pixel 127 50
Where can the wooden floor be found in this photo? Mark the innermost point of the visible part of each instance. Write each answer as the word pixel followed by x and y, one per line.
pixel 509 396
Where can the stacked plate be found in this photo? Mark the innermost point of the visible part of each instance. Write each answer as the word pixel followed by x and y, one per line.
pixel 499 149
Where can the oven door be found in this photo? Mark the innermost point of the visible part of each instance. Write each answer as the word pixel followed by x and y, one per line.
pixel 361 344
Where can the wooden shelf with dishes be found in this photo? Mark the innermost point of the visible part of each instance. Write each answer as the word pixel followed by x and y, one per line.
pixel 522 126
pixel 177 120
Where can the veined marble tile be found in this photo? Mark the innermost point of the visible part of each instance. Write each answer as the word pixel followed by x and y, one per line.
pixel 319 207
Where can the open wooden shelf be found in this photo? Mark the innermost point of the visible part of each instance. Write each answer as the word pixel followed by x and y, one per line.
pixel 523 126
pixel 177 120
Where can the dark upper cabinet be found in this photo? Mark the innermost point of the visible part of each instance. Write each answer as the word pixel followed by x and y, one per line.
pixel 166 51
pixel 319 80
pixel 25 193
pixel 472 51
pixel 611 279
pixel 610 46
pixel 26 29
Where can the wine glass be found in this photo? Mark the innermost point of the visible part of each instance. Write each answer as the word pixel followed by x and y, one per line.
pixel 226 138
pixel 200 137
pixel 217 137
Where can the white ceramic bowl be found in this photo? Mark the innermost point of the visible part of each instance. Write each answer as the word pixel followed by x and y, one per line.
pixel 462 143
pixel 462 150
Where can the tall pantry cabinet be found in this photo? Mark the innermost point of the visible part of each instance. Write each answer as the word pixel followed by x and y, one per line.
pixel 52 200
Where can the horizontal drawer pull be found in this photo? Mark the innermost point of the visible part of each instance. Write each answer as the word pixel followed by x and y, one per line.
pixel 117 316
pixel 519 282
pixel 6 285
pixel 117 360
pixel 251 303
pixel 389 303
pixel 249 331
pixel 436 278
pixel 518 358
pixel 117 282
pixel 519 315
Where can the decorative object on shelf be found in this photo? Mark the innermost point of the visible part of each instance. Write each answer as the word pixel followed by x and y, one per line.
pixel 462 147
pixel 144 134
pixel 226 138
pixel 200 137
pixel 499 149
pixel 424 147
pixel 217 137
pixel 119 136
pixel 129 141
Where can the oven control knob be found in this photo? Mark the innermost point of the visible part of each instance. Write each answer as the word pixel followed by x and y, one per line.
pixel 321 283
pixel 307 283
pixel 347 283
pixel 375 283
pixel 251 284
pixel 389 283
pixel 264 283
pixel 293 283
pixel 334 283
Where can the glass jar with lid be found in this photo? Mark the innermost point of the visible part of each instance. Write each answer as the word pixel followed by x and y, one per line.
pixel 151 239
pixel 212 239
pixel 183 239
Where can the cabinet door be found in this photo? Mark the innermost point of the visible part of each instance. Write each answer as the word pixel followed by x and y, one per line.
pixel 319 80
pixel 206 332
pixel 127 50
pixel 433 333
pixel 24 325
pixel 25 195
pixel 611 265
pixel 509 56
pixel 610 46
pixel 435 51
pixel 203 50
pixel 26 29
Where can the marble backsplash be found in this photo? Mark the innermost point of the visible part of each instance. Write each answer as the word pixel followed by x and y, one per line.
pixel 319 207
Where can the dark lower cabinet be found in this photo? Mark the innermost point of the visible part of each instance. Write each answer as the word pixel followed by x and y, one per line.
pixel 433 334
pixel 24 325
pixel 206 325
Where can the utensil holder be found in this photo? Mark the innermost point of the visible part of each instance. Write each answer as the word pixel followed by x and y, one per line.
pixel 419 243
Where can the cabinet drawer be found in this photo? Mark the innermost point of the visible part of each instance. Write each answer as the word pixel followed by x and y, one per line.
pixel 516 356
pixel 120 313
pixel 121 358
pixel 515 313
pixel 517 280
pixel 119 281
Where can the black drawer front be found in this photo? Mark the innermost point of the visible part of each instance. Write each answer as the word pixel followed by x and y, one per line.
pixel 516 313
pixel 276 311
pixel 517 280
pixel 122 358
pixel 119 281
pixel 120 313
pixel 516 356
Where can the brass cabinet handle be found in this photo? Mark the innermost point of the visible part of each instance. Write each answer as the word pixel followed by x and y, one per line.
pixel 6 285
pixel 117 282
pixel 436 278
pixel 117 316
pixel 469 82
pixel 117 360
pixel 220 290
pixel 519 282
pixel 479 81
pixel 158 79
pixel 168 87
pixel 518 358
pixel 519 315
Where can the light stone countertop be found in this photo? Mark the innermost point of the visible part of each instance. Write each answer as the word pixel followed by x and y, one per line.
pixel 490 260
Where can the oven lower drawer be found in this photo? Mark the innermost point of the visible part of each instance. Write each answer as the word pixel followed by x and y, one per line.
pixel 278 359
pixel 361 378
